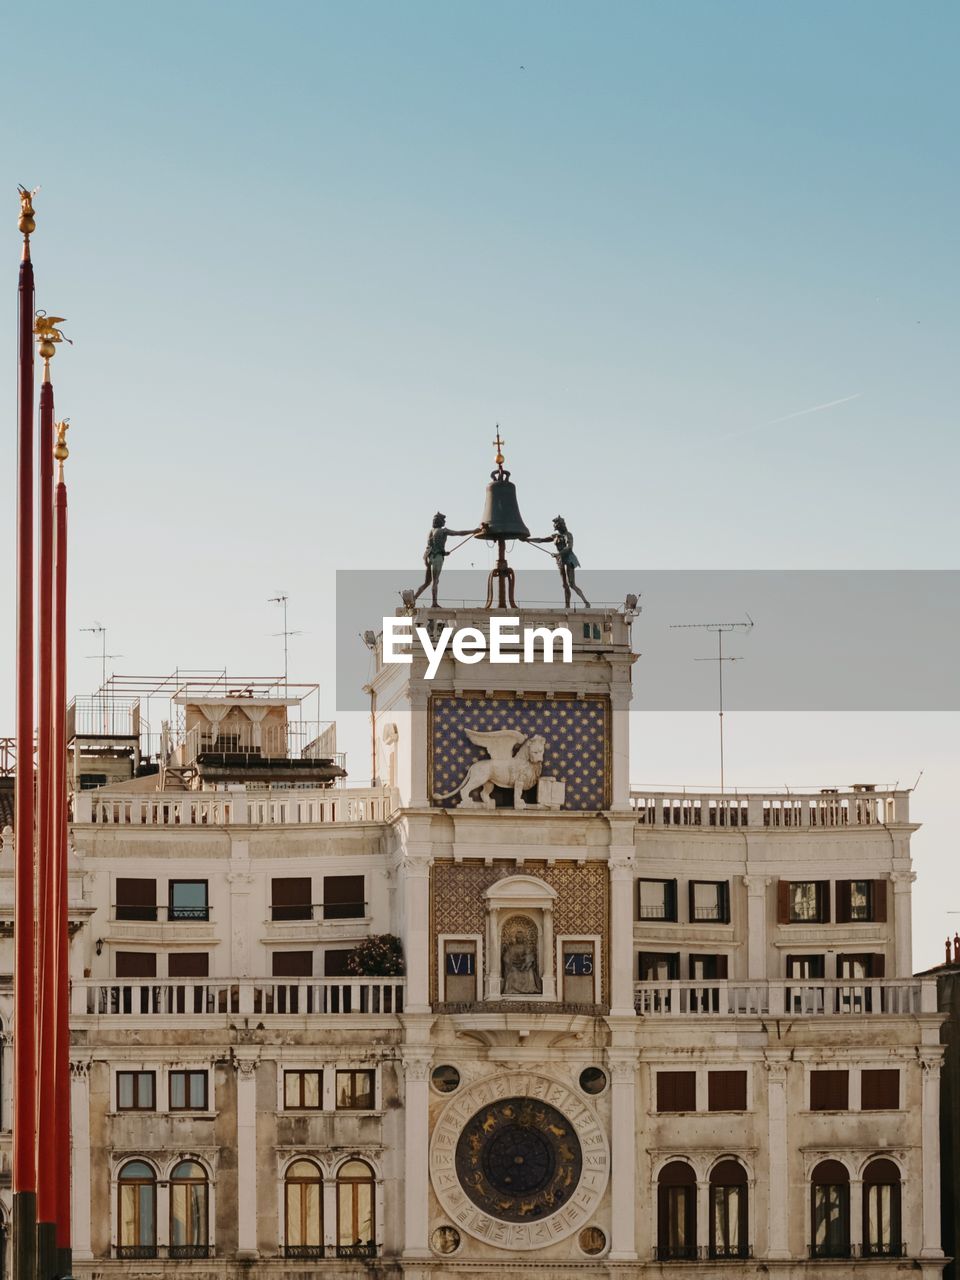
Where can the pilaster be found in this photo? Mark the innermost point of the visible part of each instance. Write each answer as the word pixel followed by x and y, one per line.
pixel 623 1155
pixel 246 1067
pixel 930 1061
pixel 80 1163
pixel 778 1189
pixel 416 1184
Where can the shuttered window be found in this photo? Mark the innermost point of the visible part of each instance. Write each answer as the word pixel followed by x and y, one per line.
pixel 290 898
pixel 803 902
pixel 658 966
pixel 292 964
pixel 861 900
pixel 710 901
pixel 727 1090
pixel 829 1090
pixel 676 1091
pixel 136 899
pixel 707 968
pixel 343 898
pixel 335 963
pixel 880 1089
pixel 136 964
pixel 188 964
pixel 657 900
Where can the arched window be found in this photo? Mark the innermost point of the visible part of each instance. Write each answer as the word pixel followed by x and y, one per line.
pixel 830 1210
pixel 881 1209
pixel 355 1224
pixel 303 1192
pixel 189 1213
pixel 137 1211
pixel 728 1210
pixel 677 1211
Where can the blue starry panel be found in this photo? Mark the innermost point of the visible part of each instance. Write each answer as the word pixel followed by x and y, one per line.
pixel 576 732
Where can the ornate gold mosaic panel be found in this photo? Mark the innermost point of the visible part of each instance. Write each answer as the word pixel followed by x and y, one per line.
pixel 581 907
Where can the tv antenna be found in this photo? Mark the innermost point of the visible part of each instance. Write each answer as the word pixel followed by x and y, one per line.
pixel 281 599
pixel 722 629
pixel 98 629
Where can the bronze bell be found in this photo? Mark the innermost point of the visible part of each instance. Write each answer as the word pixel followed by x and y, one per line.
pixel 501 515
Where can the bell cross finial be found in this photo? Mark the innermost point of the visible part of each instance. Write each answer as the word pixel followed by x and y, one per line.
pixel 499 447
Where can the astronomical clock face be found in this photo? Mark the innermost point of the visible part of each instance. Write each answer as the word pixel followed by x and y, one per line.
pixel 519 1161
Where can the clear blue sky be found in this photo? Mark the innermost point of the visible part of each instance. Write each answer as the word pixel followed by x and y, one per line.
pixel 311 253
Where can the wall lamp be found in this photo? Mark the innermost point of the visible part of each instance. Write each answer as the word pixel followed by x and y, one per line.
pixel 99 946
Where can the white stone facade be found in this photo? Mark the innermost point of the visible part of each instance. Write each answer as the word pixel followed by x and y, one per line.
pixel 609 1052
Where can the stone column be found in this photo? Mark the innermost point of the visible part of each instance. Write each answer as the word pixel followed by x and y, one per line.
pixel 622 896
pixel 247 1168
pixel 416 1153
pixel 778 1190
pixel 757 927
pixel 80 1163
pixel 623 1156
pixel 930 1060
pixel 902 924
pixel 417 943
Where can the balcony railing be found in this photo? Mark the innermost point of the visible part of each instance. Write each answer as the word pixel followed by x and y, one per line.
pixel 822 809
pixel 318 1251
pixel 883 997
pixel 841 1249
pixel 138 1252
pixel 124 912
pixel 293 911
pixel 233 808
pixel 702 1252
pixel 147 997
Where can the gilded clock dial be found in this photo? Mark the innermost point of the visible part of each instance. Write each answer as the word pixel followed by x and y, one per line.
pixel 519 1159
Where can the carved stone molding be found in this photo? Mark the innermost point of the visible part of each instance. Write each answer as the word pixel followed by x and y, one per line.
pixel 416 1066
pixel 623 1070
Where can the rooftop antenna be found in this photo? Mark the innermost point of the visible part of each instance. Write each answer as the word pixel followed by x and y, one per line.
pixel 281 599
pixel 721 628
pixel 98 629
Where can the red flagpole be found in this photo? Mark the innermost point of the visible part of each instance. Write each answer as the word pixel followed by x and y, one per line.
pixel 47 941
pixel 62 880
pixel 24 982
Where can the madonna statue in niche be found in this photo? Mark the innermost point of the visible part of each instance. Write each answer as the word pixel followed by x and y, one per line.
pixel 519 962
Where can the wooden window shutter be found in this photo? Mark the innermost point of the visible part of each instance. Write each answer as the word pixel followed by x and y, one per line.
pixel 878 964
pixel 721 966
pixel 880 901
pixel 783 901
pixel 880 1089
pixel 136 964
pixel 670 900
pixel 829 1090
pixel 676 1091
pixel 335 963
pixel 844 891
pixel 727 1090
pixel 723 901
pixel 189 964
pixel 292 964
pixel 290 891
pixel 691 906
pixel 824 898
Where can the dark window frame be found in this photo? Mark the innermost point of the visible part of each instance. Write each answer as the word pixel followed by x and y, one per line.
pixel 353 1073
pixel 819 1188
pixel 187 1073
pixel 136 1105
pixel 877 1088
pixel 300 1074
pixel 298 907
pixel 669 915
pixel 822 901
pixel 133 910
pixel 142 1248
pixel 673 965
pixel 723 902
pixel 882 1172
pixel 188 913
pixel 676 1196
pixel 725 1175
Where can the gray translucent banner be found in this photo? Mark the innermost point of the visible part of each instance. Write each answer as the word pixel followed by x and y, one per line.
pixel 841 640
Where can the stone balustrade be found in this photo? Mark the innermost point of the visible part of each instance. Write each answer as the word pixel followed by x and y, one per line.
pixel 770 810
pixel 104 807
pixel 792 997
pixel 207 997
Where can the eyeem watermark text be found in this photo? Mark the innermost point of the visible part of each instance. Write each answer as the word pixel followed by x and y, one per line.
pixel 506 643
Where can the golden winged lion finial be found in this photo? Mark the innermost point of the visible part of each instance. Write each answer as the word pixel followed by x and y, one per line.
pixel 48 333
